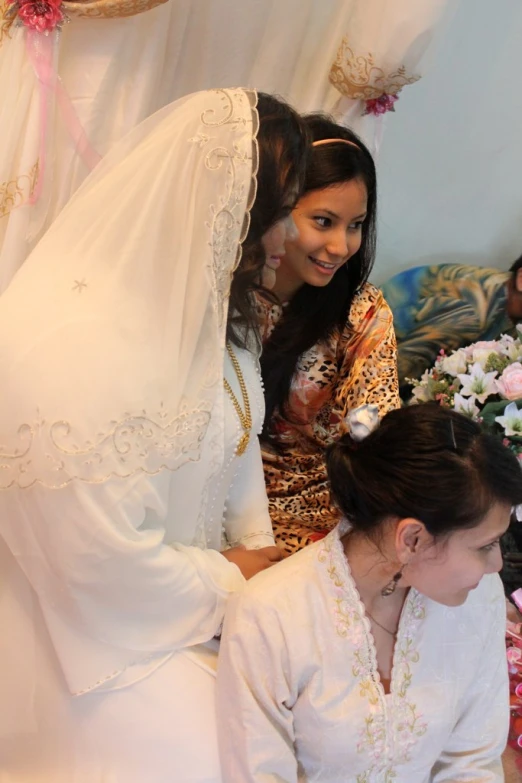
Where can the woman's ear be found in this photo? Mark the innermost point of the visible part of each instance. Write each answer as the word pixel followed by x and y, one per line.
pixel 411 538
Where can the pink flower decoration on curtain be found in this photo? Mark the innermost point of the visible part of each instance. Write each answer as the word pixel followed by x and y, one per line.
pixel 40 15
pixel 381 105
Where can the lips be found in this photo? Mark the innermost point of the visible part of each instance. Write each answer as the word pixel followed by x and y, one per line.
pixel 273 262
pixel 323 267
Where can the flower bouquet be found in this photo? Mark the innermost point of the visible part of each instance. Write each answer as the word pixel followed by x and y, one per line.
pixel 482 381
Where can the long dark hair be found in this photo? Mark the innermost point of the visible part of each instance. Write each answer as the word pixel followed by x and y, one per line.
pixel 314 313
pixel 425 462
pixel 282 142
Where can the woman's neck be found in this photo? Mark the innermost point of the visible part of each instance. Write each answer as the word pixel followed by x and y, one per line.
pixel 285 287
pixel 372 568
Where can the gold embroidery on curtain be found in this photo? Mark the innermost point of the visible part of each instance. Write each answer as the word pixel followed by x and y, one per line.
pixel 5 22
pixel 110 9
pixel 356 76
pixel 17 191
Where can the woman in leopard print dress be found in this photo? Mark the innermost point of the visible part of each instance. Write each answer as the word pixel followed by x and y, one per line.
pixel 329 344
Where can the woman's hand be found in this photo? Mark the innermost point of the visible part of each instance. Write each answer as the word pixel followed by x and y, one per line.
pixel 251 561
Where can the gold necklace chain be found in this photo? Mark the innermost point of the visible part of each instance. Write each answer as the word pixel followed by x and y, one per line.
pixel 381 626
pixel 245 417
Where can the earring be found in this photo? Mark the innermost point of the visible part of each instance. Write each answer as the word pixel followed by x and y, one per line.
pixel 392 584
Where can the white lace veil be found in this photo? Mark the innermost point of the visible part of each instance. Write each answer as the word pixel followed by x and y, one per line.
pixel 112 334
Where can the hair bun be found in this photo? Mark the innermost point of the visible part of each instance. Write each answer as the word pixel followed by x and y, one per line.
pixel 349 443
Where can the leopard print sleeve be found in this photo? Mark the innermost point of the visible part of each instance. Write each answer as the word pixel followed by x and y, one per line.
pixel 370 377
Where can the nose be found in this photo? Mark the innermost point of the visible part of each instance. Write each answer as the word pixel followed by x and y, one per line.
pixel 339 245
pixel 292 232
pixel 494 561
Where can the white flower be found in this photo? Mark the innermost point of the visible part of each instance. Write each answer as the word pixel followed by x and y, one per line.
pixel 481 356
pixel 362 421
pixel 421 390
pixel 466 405
pixel 513 351
pixel 510 348
pixel 478 383
pixel 421 394
pixel 455 363
pixel 511 421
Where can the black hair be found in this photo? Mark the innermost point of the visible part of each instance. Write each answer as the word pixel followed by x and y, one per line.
pixel 426 462
pixel 314 313
pixel 282 143
pixel 515 266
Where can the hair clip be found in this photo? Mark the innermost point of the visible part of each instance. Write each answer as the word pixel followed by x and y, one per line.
pixel 454 442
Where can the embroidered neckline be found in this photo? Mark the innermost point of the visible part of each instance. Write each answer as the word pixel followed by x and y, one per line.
pixel 386 741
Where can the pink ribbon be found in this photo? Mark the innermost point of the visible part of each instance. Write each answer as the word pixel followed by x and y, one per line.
pixel 40 50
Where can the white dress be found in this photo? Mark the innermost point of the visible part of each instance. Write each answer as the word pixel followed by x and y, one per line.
pixel 299 695
pixel 96 590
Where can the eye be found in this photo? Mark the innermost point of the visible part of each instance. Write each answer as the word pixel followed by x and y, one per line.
pixel 323 222
pixel 490 547
pixel 356 226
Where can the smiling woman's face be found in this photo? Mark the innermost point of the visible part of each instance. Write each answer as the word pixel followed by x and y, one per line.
pixel 329 223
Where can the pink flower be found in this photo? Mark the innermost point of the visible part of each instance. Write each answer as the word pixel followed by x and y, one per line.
pixel 41 15
pixel 381 105
pixel 510 382
pixel 492 346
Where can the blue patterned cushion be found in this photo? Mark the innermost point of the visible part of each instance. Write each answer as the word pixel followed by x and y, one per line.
pixel 444 306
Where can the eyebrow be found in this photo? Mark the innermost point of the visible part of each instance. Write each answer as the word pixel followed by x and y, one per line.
pixel 491 540
pixel 495 538
pixel 335 215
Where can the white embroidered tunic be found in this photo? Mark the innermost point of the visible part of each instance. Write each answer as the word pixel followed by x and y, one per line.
pixel 299 694
pixel 106 611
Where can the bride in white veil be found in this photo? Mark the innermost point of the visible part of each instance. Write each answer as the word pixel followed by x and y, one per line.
pixel 128 448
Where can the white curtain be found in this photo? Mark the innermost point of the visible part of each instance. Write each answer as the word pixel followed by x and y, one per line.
pixel 118 61
pixel 385 47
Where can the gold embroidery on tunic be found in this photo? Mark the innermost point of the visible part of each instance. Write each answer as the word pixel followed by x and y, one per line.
pixel 16 192
pixel 408 724
pixel 356 76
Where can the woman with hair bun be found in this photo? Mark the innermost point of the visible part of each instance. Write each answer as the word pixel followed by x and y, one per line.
pixel 377 654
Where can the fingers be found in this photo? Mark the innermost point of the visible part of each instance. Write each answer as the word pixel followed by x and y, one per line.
pixel 273 553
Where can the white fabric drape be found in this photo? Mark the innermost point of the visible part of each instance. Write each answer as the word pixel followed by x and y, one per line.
pixel 123 299
pixel 383 49
pixel 119 481
pixel 120 61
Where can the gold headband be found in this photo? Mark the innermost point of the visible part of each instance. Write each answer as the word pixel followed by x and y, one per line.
pixel 334 141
